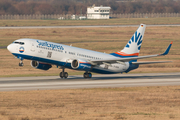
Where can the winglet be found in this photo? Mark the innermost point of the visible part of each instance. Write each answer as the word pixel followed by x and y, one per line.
pixel 167 50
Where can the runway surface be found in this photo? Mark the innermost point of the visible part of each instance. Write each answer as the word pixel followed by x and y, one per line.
pixel 92 26
pixel 98 81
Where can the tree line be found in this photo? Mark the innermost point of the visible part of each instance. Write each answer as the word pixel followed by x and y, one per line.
pixel 80 6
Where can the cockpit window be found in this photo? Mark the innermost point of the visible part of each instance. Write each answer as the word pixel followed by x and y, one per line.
pixel 21 43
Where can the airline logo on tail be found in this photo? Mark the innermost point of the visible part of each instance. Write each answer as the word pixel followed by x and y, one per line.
pixel 133 47
pixel 136 39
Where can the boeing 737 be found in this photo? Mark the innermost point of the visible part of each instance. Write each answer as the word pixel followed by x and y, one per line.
pixel 44 54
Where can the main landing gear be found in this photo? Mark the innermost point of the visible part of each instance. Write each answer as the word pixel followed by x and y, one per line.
pixel 87 75
pixel 63 74
pixel 21 63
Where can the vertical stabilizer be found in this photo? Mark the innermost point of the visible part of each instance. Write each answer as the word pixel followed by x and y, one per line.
pixel 133 47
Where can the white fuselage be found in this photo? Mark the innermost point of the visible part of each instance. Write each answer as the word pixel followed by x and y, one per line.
pixel 62 55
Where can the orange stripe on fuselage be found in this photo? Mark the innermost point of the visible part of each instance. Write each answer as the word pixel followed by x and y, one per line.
pixel 124 54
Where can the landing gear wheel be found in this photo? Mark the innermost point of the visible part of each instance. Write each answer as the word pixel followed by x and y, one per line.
pixel 87 75
pixel 63 74
pixel 21 64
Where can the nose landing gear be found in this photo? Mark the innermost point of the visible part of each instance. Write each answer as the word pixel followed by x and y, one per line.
pixel 21 60
pixel 21 63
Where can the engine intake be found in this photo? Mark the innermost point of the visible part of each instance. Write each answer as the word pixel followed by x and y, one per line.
pixel 79 64
pixel 40 65
pixel 75 64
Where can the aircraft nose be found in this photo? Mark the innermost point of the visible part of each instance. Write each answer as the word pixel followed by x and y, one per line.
pixel 10 47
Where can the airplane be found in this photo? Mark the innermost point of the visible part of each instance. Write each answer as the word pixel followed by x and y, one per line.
pixel 44 54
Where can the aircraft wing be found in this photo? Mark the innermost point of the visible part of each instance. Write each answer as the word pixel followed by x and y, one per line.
pixel 122 60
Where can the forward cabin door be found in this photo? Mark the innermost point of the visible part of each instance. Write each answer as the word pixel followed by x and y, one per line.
pixel 32 46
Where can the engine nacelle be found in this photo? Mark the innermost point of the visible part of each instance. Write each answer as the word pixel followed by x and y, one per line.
pixel 40 65
pixel 79 64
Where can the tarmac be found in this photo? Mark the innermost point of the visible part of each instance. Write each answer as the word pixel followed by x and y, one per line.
pixel 97 81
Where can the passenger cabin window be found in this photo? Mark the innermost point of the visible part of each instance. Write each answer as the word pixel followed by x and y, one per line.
pixel 21 43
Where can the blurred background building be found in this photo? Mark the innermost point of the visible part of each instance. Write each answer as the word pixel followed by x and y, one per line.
pixel 98 12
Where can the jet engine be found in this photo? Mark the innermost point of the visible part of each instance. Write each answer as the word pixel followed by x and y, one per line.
pixel 79 64
pixel 40 65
